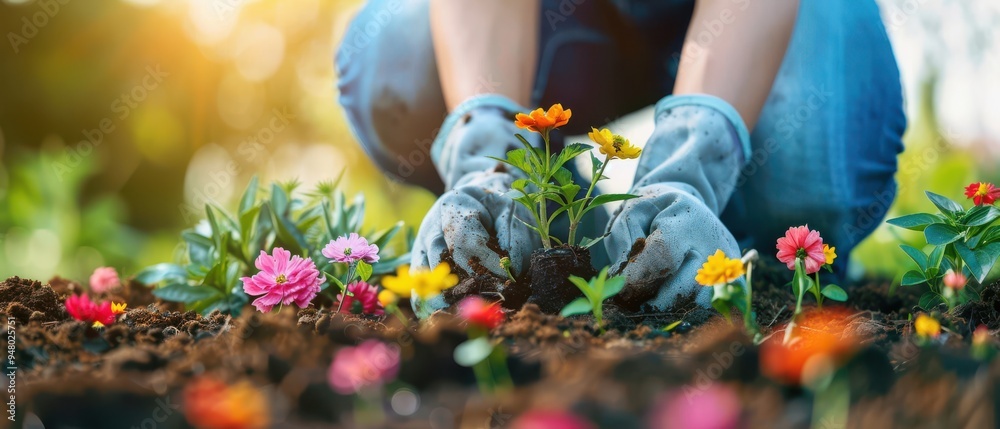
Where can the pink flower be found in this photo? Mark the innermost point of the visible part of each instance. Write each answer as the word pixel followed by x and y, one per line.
pixel 480 313
pixel 711 406
pixel 955 280
pixel 85 310
pixel 802 242
pixel 104 279
pixel 545 419
pixel 351 249
pixel 283 279
pixel 371 363
pixel 365 297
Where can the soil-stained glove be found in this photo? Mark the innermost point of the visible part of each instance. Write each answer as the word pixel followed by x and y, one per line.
pixel 474 221
pixel 684 179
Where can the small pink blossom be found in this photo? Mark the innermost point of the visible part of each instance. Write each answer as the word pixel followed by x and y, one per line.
pixel 104 279
pixel 365 295
pixel 954 280
pixel 371 363
pixel 85 310
pixel 712 406
pixel 802 242
pixel 283 279
pixel 351 249
pixel 550 419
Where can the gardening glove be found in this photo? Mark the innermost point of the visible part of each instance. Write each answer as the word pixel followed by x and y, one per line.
pixel 684 179
pixel 474 221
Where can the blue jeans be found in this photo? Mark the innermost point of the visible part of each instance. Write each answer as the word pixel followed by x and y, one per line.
pixel 823 151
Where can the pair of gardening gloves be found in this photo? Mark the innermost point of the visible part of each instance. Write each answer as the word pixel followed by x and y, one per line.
pixel 657 241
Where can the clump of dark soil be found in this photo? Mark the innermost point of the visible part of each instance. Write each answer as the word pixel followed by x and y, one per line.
pixel 551 289
pixel 27 300
pixel 985 311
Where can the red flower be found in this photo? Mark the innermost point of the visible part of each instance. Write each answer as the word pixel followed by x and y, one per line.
pixel 480 313
pixel 982 193
pixel 85 310
pixel 802 242
pixel 211 404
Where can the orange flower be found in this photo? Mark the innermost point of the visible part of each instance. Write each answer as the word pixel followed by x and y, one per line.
pixel 822 344
pixel 211 404
pixel 541 121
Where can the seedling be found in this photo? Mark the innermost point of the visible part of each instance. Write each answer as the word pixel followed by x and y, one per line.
pixel 595 292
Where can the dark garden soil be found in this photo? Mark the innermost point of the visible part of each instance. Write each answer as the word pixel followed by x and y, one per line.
pixel 71 375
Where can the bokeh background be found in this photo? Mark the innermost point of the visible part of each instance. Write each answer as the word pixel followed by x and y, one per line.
pixel 119 118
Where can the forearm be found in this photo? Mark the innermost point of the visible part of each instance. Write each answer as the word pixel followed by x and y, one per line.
pixel 485 46
pixel 733 50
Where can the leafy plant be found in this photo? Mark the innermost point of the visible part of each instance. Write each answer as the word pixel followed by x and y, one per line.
pixel 966 241
pixel 595 292
pixel 722 274
pixel 548 179
pixel 221 249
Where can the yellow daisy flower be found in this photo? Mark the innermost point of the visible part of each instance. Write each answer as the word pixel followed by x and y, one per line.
pixel 830 253
pixel 719 269
pixel 927 326
pixel 613 145
pixel 423 282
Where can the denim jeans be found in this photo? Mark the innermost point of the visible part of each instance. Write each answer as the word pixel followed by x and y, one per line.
pixel 823 151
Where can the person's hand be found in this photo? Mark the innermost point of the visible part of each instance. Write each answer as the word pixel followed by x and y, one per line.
pixel 684 180
pixel 474 223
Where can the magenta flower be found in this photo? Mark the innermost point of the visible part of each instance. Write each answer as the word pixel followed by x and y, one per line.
pixel 351 249
pixel 371 363
pixel 365 297
pixel 283 279
pixel 711 406
pixel 104 279
pixel 550 419
pixel 802 242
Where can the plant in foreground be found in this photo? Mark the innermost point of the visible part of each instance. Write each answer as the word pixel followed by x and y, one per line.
pixel 97 314
pixel 211 404
pixel 803 251
pixel 222 249
pixel 547 178
pixel 595 292
pixel 487 358
pixel 283 279
pixel 966 242
pixel 723 274
pixel 104 279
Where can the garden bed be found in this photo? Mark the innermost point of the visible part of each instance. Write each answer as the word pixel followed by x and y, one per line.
pixel 133 373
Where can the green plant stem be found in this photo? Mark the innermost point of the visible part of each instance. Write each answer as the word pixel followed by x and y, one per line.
pixel 748 322
pixel 578 215
pixel 498 363
pixel 350 275
pixel 817 293
pixel 543 210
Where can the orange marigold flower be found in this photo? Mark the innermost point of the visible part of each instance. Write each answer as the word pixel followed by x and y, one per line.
pixel 822 344
pixel 541 121
pixel 982 193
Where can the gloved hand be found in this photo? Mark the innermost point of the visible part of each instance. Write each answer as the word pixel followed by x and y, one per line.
pixel 474 221
pixel 684 179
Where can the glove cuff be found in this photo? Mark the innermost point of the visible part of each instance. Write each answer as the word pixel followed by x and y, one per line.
pixel 441 154
pixel 711 101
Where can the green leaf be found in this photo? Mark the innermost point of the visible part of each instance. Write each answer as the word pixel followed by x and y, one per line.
pixel 364 270
pixel 915 222
pixel 249 196
pixel 381 238
pixel 288 236
pixel 596 165
pixel 991 235
pixel 934 260
pixel 335 280
pixel 916 255
pixel 157 273
pixel 586 287
pixel 279 200
pixel 800 281
pixel 671 326
pixel 570 152
pixel 587 243
pixel 980 261
pixel 913 278
pixel 563 177
pixel 940 234
pixel 607 198
pixel 473 351
pixel 722 306
pixel 928 300
pixel 980 215
pixel 834 292
pixel 570 191
pixel 578 306
pixel 612 286
pixel 179 292
pixel 945 205
pixel 520 185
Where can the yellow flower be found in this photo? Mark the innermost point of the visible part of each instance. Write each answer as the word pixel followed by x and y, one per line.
pixel 98 325
pixel 387 298
pixel 613 145
pixel 927 326
pixel 117 308
pixel 719 269
pixel 421 281
pixel 830 253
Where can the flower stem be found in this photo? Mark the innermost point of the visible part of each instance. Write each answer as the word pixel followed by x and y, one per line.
pixel 576 216
pixel 350 275
pixel 817 293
